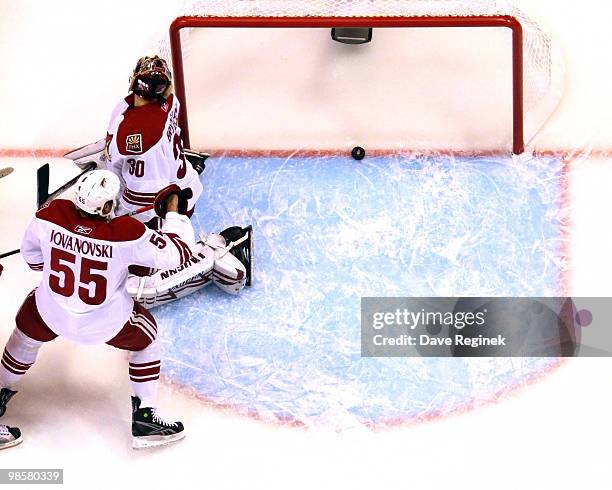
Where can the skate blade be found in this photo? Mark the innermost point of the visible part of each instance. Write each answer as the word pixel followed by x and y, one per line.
pixel 144 442
pixel 16 442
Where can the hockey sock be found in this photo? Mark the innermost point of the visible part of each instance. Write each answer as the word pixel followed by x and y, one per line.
pixel 19 355
pixel 144 374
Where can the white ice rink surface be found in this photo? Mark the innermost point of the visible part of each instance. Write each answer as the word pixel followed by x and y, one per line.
pixel 74 405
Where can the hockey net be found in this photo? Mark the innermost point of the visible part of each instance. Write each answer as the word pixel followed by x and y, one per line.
pixel 537 69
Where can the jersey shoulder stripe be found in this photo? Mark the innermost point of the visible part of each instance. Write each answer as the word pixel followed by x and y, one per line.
pixel 63 213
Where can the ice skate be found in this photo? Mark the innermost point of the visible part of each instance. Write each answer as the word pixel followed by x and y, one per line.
pixel 5 396
pixel 150 430
pixel 9 436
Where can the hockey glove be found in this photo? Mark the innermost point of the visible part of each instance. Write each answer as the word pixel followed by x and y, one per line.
pixel 161 200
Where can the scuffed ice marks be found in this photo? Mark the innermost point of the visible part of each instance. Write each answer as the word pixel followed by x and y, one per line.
pixel 329 231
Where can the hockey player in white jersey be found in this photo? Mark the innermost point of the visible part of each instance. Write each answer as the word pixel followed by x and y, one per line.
pixel 144 149
pixel 84 254
pixel 144 146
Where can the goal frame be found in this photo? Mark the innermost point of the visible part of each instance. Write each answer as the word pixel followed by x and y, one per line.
pixel 508 21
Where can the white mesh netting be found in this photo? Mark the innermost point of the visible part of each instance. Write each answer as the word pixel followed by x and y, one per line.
pixel 543 68
pixel 348 8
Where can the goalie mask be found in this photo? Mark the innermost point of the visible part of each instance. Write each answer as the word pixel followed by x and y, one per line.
pixel 97 192
pixel 151 78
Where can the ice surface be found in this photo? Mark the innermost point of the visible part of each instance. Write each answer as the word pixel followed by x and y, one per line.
pixel 331 230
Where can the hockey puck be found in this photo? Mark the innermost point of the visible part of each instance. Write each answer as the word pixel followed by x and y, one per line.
pixel 358 153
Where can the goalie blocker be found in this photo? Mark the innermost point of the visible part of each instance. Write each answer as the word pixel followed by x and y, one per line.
pixel 224 259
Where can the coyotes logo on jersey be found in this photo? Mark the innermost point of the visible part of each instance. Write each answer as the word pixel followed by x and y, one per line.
pixel 133 143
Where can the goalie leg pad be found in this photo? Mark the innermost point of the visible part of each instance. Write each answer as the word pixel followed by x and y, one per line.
pixel 167 285
pixel 229 274
pixel 216 241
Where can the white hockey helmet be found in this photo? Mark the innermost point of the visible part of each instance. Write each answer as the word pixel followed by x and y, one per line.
pixel 95 189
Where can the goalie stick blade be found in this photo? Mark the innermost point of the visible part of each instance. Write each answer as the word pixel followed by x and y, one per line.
pixel 6 171
pixel 42 185
pixel 48 197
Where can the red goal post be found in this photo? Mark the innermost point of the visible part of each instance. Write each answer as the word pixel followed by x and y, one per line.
pixel 543 59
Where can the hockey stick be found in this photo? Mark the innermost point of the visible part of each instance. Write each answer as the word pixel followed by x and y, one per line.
pixel 43 195
pixel 6 171
pixel 144 209
pixel 42 185
pixel 131 213
pixel 42 178
pixel 8 254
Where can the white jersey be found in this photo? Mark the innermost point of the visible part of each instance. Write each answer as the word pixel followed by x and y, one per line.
pixel 84 261
pixel 146 153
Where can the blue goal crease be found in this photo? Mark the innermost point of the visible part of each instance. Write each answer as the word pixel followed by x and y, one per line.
pixel 329 231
